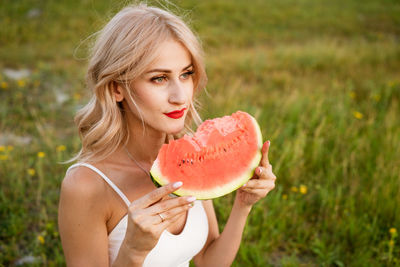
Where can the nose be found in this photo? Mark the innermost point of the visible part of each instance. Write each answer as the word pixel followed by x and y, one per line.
pixel 177 93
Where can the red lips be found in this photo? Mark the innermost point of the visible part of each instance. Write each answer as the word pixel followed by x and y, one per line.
pixel 176 114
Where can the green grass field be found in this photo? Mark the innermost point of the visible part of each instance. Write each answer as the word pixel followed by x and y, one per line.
pixel 321 77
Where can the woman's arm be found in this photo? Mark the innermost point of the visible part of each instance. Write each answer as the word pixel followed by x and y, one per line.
pixel 82 219
pixel 221 249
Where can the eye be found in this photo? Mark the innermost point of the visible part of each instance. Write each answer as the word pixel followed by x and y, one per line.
pixel 187 75
pixel 158 79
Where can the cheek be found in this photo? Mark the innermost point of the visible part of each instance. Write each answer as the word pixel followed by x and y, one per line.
pixel 190 90
pixel 149 98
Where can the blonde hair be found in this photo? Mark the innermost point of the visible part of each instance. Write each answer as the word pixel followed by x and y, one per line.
pixel 122 52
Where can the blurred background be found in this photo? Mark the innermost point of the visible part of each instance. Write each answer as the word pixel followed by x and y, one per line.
pixel 321 77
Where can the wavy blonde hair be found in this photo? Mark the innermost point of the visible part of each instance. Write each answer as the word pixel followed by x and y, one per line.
pixel 123 51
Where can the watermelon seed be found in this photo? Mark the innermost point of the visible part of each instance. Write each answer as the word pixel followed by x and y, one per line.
pixel 225 149
pixel 183 161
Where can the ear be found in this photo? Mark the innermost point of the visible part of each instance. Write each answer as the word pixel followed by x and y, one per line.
pixel 117 91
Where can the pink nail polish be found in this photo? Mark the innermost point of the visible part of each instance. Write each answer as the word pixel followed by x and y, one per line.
pixel 265 145
pixel 190 199
pixel 177 184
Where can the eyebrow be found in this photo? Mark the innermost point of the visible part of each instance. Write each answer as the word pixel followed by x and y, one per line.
pixel 168 71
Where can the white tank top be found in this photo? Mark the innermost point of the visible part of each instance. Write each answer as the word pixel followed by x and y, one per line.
pixel 171 250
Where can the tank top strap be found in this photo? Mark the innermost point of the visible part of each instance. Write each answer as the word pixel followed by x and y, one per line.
pixel 105 178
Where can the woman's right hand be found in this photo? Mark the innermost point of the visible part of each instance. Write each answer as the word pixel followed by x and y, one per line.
pixel 150 215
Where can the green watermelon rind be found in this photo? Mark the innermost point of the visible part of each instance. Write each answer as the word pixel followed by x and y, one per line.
pixel 159 179
pixel 159 185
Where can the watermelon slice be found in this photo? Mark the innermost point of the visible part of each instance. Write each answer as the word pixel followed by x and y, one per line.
pixel 220 157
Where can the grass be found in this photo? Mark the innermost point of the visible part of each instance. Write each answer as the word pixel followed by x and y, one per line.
pixel 321 77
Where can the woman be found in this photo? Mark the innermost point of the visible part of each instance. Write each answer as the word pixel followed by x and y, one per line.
pixel 145 64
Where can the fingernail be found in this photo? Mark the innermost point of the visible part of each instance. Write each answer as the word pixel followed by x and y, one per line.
pixel 190 199
pixel 177 184
pixel 265 145
pixel 244 185
pixel 259 170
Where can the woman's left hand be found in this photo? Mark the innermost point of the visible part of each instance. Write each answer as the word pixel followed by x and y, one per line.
pixel 260 184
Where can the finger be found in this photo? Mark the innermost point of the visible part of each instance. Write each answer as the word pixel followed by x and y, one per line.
pixel 254 183
pixel 173 213
pixel 265 173
pixel 164 225
pixel 155 195
pixel 265 150
pixel 257 192
pixel 259 184
pixel 163 206
pixel 157 218
pixel 267 187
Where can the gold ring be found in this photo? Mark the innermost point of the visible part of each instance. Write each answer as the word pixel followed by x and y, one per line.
pixel 162 217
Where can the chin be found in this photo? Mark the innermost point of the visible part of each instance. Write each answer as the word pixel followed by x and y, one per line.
pixel 175 130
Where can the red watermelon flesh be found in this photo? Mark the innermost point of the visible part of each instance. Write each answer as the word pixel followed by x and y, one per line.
pixel 219 158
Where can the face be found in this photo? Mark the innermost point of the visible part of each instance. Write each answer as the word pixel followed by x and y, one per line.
pixel 164 89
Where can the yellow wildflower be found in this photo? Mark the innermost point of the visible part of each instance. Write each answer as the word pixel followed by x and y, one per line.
pixel 391 243
pixel 3 157
pixel 393 231
pixel 4 85
pixel 40 239
pixel 10 148
pixel 2 148
pixel 358 115
pixel 284 196
pixel 77 96
pixel 392 83
pixel 41 154
pixel 21 83
pixel 31 172
pixel 377 97
pixel 352 95
pixel 303 189
pixel 294 189
pixel 61 148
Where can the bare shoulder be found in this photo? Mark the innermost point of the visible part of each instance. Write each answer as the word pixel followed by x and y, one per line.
pixel 82 183
pixel 83 191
